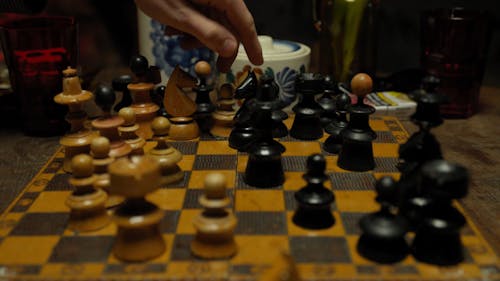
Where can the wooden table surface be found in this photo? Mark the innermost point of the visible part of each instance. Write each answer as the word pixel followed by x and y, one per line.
pixel 473 142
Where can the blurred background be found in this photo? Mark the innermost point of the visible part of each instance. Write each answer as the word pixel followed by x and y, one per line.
pixel 108 33
pixel 108 30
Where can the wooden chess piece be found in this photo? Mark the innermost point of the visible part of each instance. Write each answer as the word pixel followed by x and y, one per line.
pixel 87 204
pixel 204 106
pixel 78 139
pixel 145 78
pixel 223 116
pixel 356 153
pixel 167 156
pixel 215 225
pixel 145 110
pixel 99 150
pixel 180 106
pixel 129 131
pixel 108 124
pixel 138 237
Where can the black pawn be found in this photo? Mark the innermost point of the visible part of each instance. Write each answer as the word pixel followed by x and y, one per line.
pixel 139 65
pixel 264 168
pixel 307 123
pixel 383 233
pixel 243 133
pixel 143 72
pixel 437 238
pixel 105 97
pixel 268 96
pixel 422 146
pixel 314 200
pixel 204 106
pixel 357 150
pixel 157 97
pixel 327 101
pixel 333 144
pixel 120 84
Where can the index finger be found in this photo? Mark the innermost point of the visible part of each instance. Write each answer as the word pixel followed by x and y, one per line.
pixel 241 19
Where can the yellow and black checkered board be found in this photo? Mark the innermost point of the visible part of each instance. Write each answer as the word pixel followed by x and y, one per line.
pixel 35 242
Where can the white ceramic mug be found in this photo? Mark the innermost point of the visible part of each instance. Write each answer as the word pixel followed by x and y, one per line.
pixel 283 60
pixel 165 52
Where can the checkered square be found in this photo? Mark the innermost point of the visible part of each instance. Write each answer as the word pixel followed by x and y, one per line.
pixel 77 249
pixel 261 223
pixel 320 249
pixel 215 162
pixel 36 243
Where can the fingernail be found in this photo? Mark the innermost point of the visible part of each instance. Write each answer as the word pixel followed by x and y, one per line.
pixel 228 48
pixel 259 60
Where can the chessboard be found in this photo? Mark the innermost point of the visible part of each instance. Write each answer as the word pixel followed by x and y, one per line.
pixel 35 243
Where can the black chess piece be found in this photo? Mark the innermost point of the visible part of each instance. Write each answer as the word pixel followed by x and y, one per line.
pixel 307 123
pixel 437 237
pixel 333 144
pixel 243 133
pixel 383 233
pixel 314 200
pixel 120 84
pixel 139 65
pixel 264 168
pixel 157 97
pixel 142 71
pixel 268 96
pixel 204 106
pixel 108 124
pixel 104 98
pixel 357 151
pixel 422 146
pixel 328 101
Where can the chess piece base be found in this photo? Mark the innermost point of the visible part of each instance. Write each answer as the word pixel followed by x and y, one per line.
pixel 356 156
pixel 214 237
pixel 139 237
pixel 183 128
pixel 306 127
pixel 240 138
pixel 258 166
pixel 314 219
pixel 171 175
pixel 382 250
pixel 88 212
pixel 74 144
pixel 223 123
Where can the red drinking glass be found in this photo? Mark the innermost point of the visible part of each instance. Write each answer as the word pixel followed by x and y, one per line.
pixel 36 51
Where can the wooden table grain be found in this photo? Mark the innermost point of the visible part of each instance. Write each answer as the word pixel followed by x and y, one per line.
pixel 472 142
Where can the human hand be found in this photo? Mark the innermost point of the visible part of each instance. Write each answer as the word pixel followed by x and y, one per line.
pixel 217 24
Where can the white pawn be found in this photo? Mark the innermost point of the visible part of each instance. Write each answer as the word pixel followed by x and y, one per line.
pixel 166 155
pixel 215 225
pixel 87 204
pixel 99 150
pixel 128 131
